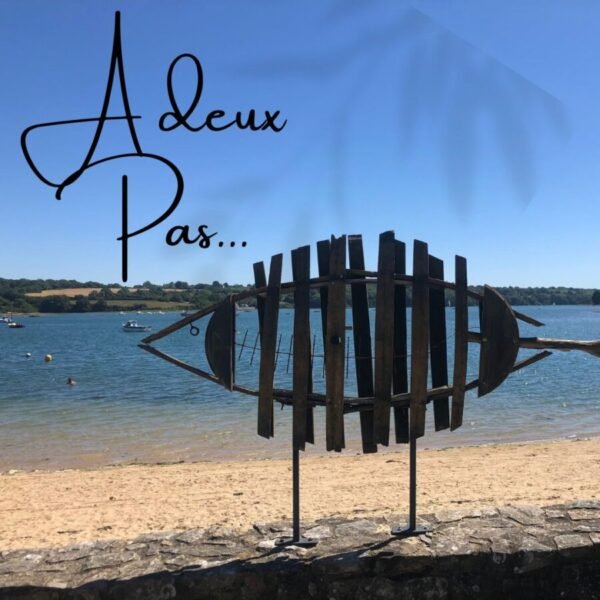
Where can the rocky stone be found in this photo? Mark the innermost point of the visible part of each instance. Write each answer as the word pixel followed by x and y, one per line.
pixel 555 513
pixel 525 515
pixel 361 527
pixel 320 532
pixel 449 516
pixel 584 504
pixel 570 541
pixel 578 514
pixel 191 536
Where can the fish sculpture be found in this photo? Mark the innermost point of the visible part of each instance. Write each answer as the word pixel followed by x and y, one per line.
pixel 384 383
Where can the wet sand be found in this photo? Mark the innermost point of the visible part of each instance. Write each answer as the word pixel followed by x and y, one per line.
pixel 56 508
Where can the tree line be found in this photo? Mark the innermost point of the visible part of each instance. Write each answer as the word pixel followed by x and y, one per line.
pixel 179 294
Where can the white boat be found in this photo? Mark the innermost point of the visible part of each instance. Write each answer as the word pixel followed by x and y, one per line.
pixel 15 325
pixel 5 319
pixel 244 308
pixel 133 326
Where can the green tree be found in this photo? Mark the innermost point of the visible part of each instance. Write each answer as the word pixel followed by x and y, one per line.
pixel 100 306
pixel 82 304
pixel 54 304
pixel 596 297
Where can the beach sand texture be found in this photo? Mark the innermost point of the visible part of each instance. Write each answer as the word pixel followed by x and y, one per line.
pixel 40 509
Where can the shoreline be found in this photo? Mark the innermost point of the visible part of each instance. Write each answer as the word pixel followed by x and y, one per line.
pixel 57 508
pixel 314 452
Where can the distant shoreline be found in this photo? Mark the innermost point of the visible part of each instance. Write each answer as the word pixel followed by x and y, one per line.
pixel 62 296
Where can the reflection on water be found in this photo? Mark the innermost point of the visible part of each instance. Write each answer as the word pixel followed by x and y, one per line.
pixel 130 406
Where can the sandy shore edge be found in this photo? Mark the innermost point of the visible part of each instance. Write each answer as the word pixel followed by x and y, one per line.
pixel 56 508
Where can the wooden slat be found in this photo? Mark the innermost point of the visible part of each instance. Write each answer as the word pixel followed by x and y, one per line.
pixel 400 367
pixel 260 281
pixel 219 342
pixel 362 342
pixel 499 341
pixel 335 346
pixel 384 337
pixel 301 352
pixel 267 349
pixel 419 338
pixel 461 341
pixel 438 344
pixel 323 252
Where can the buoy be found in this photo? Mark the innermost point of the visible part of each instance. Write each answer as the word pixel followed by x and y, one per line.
pixel 48 357
pixel 27 354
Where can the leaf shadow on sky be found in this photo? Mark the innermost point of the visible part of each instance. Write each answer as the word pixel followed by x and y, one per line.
pixel 450 81
pixel 447 86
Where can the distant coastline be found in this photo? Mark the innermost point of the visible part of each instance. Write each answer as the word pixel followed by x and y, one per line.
pixel 70 296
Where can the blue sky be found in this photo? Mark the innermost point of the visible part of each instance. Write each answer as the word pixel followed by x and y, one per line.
pixel 471 125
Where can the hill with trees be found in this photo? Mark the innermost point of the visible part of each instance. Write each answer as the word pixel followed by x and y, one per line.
pixel 61 295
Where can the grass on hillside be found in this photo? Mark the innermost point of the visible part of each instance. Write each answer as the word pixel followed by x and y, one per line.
pixel 72 292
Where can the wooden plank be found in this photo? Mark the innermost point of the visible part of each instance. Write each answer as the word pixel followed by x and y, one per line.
pixel 461 341
pixel 400 367
pixel 260 281
pixel 267 349
pixel 323 252
pixel 219 343
pixel 438 344
pixel 499 341
pixel 301 352
pixel 384 337
pixel 362 342
pixel 419 339
pixel 335 346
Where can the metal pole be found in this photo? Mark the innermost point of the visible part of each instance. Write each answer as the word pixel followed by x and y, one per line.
pixel 412 528
pixel 412 500
pixel 296 539
pixel 296 492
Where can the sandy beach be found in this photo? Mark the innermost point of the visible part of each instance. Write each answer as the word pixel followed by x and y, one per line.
pixel 40 509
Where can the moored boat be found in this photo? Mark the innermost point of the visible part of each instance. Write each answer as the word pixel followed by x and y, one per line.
pixel 134 326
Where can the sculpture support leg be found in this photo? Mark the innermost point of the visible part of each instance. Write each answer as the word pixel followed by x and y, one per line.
pixel 296 539
pixel 411 528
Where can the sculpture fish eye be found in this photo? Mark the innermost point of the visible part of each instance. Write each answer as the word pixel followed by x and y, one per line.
pixel 383 384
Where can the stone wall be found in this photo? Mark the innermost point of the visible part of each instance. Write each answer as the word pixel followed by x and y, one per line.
pixel 512 552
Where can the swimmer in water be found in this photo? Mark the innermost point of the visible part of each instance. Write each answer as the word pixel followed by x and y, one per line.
pixel 71 381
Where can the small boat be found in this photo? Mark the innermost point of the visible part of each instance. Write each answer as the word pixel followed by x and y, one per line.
pixel 5 319
pixel 133 326
pixel 244 308
pixel 15 325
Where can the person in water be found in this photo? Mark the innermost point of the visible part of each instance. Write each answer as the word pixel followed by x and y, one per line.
pixel 71 381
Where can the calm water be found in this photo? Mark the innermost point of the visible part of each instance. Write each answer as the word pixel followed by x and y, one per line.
pixel 129 406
